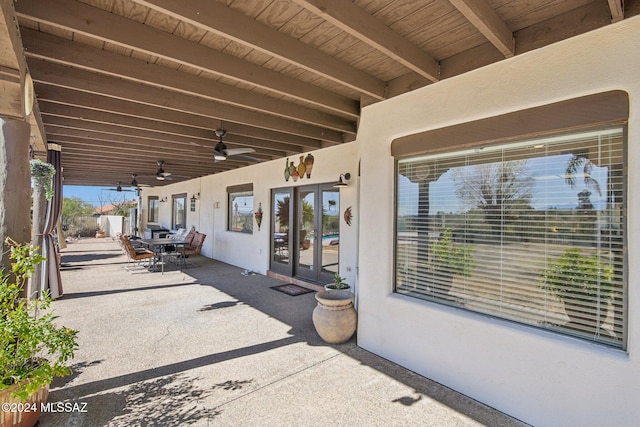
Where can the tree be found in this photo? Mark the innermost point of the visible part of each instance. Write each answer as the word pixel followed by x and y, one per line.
pixel 500 190
pixel 74 207
pixel 121 205
pixel 581 163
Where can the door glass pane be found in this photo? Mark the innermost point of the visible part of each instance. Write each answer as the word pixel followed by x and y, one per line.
pixel 330 230
pixel 280 227
pixel 179 212
pixel 306 237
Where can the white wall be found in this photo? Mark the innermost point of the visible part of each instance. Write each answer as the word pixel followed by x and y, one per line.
pixel 111 224
pixel 537 376
pixel 251 251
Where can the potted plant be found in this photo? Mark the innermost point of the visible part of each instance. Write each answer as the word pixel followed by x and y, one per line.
pixel 583 283
pixel 338 284
pixel 449 259
pixel 33 348
pixel 334 317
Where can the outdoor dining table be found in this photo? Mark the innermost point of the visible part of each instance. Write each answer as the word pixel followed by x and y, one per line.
pixel 158 247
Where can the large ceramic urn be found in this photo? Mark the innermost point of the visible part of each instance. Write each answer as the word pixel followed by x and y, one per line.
pixel 334 317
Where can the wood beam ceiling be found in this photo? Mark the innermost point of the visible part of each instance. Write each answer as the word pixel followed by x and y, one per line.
pixel 142 80
pixel 355 21
pixel 482 16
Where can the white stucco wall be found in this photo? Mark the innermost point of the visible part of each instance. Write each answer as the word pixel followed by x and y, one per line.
pixel 537 376
pixel 251 251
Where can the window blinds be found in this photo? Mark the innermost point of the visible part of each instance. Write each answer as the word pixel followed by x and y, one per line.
pixel 531 231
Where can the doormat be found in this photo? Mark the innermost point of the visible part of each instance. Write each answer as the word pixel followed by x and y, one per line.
pixel 293 290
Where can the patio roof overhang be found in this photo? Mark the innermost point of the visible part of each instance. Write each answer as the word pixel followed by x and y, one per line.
pixel 122 84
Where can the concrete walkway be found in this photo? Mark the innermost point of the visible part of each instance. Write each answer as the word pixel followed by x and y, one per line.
pixel 211 347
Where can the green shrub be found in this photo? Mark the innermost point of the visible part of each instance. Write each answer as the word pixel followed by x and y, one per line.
pixel 450 257
pixel 33 349
pixel 580 277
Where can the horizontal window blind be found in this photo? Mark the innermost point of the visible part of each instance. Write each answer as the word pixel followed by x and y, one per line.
pixel 531 231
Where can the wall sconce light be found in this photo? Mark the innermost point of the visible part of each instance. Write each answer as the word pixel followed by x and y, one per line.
pixel 195 197
pixel 341 183
pixel 163 200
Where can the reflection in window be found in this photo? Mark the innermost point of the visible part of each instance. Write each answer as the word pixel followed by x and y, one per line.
pixel 240 213
pixel 281 227
pixel 531 232
pixel 179 217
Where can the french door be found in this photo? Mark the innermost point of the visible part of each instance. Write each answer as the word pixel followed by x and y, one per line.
pixel 307 247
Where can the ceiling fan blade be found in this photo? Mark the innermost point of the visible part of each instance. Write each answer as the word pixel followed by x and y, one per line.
pixel 236 151
pixel 243 157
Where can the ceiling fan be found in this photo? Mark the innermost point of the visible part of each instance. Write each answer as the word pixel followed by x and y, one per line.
pixel 221 152
pixel 161 175
pixel 134 181
pixel 119 188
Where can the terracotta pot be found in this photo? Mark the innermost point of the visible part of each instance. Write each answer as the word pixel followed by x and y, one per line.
pixel 100 234
pixel 334 317
pixel 27 418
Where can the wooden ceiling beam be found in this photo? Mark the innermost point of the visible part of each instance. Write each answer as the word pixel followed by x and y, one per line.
pixel 220 19
pixel 143 171
pixel 97 23
pixel 277 140
pixel 62 51
pixel 617 10
pixel 482 16
pixel 145 167
pixel 350 18
pixel 176 141
pixel 131 146
pixel 80 80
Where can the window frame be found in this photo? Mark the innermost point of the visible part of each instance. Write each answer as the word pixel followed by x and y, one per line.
pixel 233 212
pixel 622 308
pixel 153 210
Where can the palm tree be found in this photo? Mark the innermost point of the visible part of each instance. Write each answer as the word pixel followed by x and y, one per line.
pixel 580 161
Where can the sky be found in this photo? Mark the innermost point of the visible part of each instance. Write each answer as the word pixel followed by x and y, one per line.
pixel 94 195
pixel 549 189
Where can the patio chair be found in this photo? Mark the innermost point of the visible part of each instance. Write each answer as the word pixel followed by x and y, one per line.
pixel 188 240
pixel 193 249
pixel 137 255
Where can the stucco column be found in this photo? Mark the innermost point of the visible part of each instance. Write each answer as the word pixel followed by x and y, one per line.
pixel 15 184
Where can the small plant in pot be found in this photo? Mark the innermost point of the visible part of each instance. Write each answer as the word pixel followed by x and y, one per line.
pixel 334 317
pixel 449 259
pixel 584 284
pixel 33 348
pixel 338 284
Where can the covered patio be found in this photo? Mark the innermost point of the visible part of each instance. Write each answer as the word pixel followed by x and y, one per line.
pixel 166 98
pixel 209 346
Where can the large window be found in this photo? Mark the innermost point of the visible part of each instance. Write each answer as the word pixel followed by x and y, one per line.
pixel 179 216
pixel 531 231
pixel 153 203
pixel 240 208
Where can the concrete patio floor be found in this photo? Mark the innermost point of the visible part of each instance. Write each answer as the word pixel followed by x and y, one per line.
pixel 209 346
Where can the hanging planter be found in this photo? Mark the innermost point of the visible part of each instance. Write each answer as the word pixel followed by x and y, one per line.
pixel 42 174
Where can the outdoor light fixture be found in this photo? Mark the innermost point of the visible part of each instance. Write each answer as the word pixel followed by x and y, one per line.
pixel 164 199
pixel 195 197
pixel 341 183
